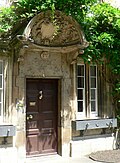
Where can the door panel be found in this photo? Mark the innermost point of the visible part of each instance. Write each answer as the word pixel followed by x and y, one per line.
pixel 41 116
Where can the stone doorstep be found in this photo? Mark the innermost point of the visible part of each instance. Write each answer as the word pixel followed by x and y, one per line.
pixel 43 158
pixel 59 159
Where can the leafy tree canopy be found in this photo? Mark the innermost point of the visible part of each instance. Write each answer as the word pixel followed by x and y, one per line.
pixel 102 29
pixel 26 9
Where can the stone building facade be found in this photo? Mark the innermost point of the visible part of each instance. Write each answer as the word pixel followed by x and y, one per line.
pixel 51 101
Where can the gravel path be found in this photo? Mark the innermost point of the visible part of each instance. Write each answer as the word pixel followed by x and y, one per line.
pixel 110 156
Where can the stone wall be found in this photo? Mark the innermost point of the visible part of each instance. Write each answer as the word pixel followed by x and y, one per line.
pixel 54 65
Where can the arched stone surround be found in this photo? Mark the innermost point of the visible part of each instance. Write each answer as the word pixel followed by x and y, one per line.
pixel 48 49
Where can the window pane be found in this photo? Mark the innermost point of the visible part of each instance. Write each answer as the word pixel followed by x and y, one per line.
pixel 80 70
pixel 93 106
pixel 0 81
pixel 0 110
pixel 92 70
pixel 93 83
pixel 80 82
pixel 80 106
pixel 92 94
pixel 80 94
pixel 1 87
pixel 0 96
pixel 1 67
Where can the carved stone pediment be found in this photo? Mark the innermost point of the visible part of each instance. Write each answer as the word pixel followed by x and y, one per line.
pixel 60 31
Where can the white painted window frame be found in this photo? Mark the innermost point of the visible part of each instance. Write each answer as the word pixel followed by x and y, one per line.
pixel 84 114
pixel 2 92
pixel 94 114
pixel 81 115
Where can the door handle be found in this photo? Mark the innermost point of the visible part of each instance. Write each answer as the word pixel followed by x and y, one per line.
pixel 40 95
pixel 29 117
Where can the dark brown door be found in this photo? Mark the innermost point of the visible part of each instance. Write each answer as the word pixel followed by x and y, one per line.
pixel 41 116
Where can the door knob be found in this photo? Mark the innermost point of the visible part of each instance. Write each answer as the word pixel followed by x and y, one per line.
pixel 41 95
pixel 29 117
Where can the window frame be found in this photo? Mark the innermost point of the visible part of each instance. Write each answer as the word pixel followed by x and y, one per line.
pixel 94 113
pixel 2 91
pixel 87 113
pixel 81 114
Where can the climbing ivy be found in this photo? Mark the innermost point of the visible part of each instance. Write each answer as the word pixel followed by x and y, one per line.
pixel 26 9
pixel 7 17
pixel 102 28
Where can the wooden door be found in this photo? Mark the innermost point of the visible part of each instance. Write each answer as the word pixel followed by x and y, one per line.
pixel 41 116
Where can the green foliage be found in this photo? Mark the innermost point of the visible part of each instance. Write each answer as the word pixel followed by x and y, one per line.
pixel 26 9
pixel 7 17
pixel 102 26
